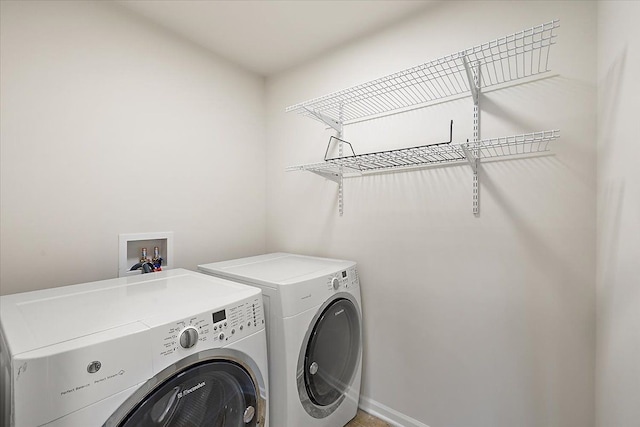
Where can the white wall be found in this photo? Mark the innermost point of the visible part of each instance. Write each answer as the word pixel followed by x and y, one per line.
pixel 468 321
pixel 484 322
pixel 113 125
pixel 618 354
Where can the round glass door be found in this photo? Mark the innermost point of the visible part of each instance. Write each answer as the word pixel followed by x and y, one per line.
pixel 332 353
pixel 214 394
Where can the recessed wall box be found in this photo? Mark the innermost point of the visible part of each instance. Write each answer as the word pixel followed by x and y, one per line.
pixel 131 245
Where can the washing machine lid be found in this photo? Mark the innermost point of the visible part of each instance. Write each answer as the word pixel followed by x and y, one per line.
pixel 276 269
pixel 38 319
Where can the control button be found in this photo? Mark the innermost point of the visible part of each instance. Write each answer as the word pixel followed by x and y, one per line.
pixel 225 324
pixel 94 367
pixel 233 331
pixel 221 336
pixel 335 283
pixel 249 323
pixel 241 327
pixel 189 337
pixel 215 328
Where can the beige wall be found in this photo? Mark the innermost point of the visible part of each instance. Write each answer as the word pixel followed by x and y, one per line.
pixel 113 125
pixel 618 355
pixel 468 321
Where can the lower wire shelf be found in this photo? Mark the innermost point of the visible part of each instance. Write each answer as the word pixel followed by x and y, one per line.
pixel 427 155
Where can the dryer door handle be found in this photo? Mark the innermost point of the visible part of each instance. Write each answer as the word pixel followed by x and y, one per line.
pixel 170 403
pixel 313 368
pixel 248 414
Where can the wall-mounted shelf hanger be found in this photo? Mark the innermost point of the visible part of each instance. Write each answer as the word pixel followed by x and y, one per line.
pixel 499 62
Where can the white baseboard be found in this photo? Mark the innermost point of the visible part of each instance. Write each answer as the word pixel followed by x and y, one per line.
pixel 387 414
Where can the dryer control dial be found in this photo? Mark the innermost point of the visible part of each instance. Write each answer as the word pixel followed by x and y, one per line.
pixel 335 283
pixel 189 337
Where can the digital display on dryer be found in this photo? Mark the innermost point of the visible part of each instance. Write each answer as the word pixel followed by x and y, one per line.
pixel 344 274
pixel 219 316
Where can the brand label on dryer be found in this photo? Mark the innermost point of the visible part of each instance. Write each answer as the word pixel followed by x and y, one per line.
pixel 191 390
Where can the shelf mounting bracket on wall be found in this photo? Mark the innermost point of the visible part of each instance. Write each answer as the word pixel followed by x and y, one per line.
pixel 471 158
pixel 473 84
pixel 340 154
pixel 474 157
pixel 337 125
pixel 333 176
pixel 329 121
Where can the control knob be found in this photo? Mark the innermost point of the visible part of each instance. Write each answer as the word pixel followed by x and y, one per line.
pixel 335 283
pixel 189 337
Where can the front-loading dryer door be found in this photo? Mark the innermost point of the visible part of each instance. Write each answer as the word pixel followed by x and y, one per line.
pixel 218 392
pixel 328 366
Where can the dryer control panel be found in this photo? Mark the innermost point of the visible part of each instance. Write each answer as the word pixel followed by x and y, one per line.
pixel 212 329
pixel 344 279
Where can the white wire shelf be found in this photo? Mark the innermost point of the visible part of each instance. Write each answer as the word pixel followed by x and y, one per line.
pixel 425 155
pixel 516 56
pixel 499 62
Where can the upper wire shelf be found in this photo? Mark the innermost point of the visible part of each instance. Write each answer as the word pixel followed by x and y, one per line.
pixel 433 154
pixel 516 56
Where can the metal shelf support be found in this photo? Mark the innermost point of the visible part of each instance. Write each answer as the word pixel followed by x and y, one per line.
pixel 471 158
pixel 473 81
pixel 333 176
pixel 474 84
pixel 341 153
pixel 329 121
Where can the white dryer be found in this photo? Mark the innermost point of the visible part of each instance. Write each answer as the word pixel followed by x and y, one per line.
pixel 313 334
pixel 174 348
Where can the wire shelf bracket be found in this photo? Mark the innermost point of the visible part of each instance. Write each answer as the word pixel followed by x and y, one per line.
pixel 499 62
pixel 471 158
pixel 473 75
pixel 473 81
pixel 329 121
pixel 332 176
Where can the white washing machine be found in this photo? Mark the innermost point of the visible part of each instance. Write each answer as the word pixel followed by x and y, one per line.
pixel 313 333
pixel 174 348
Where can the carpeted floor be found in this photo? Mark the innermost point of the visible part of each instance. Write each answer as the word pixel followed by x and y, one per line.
pixel 365 420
